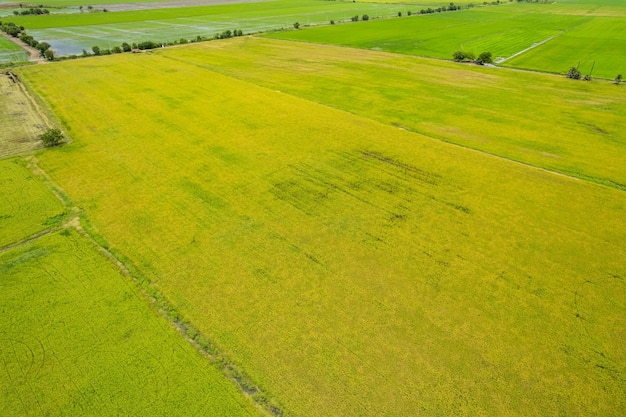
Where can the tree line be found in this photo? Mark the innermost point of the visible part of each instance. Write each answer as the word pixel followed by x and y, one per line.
pixel 16 31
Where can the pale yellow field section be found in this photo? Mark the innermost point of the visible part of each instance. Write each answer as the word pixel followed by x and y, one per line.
pixel 350 267
pixel 21 122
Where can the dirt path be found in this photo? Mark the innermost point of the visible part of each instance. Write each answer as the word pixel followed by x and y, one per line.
pixel 34 54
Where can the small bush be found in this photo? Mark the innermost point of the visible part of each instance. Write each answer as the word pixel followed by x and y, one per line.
pixel 52 137
pixel 573 73
pixel 365 17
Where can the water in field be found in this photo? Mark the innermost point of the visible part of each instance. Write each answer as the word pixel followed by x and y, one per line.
pixel 73 39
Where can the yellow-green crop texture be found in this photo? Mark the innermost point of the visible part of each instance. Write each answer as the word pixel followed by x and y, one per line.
pixel 551 122
pixel 348 266
pixel 27 207
pixel 77 338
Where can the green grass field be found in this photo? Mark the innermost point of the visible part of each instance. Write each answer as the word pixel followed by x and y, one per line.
pixel 10 52
pixel 27 206
pixel 69 34
pixel 598 45
pixel 349 266
pixel 78 339
pixel 552 122
pixel 505 30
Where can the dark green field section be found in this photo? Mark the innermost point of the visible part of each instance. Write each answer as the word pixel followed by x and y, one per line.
pixel 77 339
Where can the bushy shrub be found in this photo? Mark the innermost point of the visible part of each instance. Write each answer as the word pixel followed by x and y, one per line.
pixel 573 73
pixel 52 137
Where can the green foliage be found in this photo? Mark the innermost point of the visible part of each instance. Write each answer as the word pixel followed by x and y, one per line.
pixel 618 79
pixel 149 45
pixel 43 47
pixel 49 54
pixel 51 138
pixel 355 18
pixel 573 73
pixel 365 17
pixel 95 49
pixel 463 56
pixel 296 25
pixel 485 58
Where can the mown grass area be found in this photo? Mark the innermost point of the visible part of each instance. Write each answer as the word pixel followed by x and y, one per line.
pixel 348 266
pixel 21 122
pixel 504 31
pixel 77 338
pixel 548 121
pixel 27 207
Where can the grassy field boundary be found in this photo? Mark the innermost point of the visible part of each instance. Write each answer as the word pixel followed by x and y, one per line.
pixel 75 218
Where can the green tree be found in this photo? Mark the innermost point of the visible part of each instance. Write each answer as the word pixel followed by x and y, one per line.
pixel 485 58
pixel 458 56
pixel 296 25
pixel 43 47
pixel 96 50
pixel 618 79
pixel 573 73
pixel 365 17
pixel 49 54
pixel 52 137
pixel 126 47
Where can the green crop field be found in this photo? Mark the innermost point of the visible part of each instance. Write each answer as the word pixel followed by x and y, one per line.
pixel 555 38
pixel 10 52
pixel 599 46
pixel 69 34
pixel 352 267
pixel 477 107
pixel 26 207
pixel 78 339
